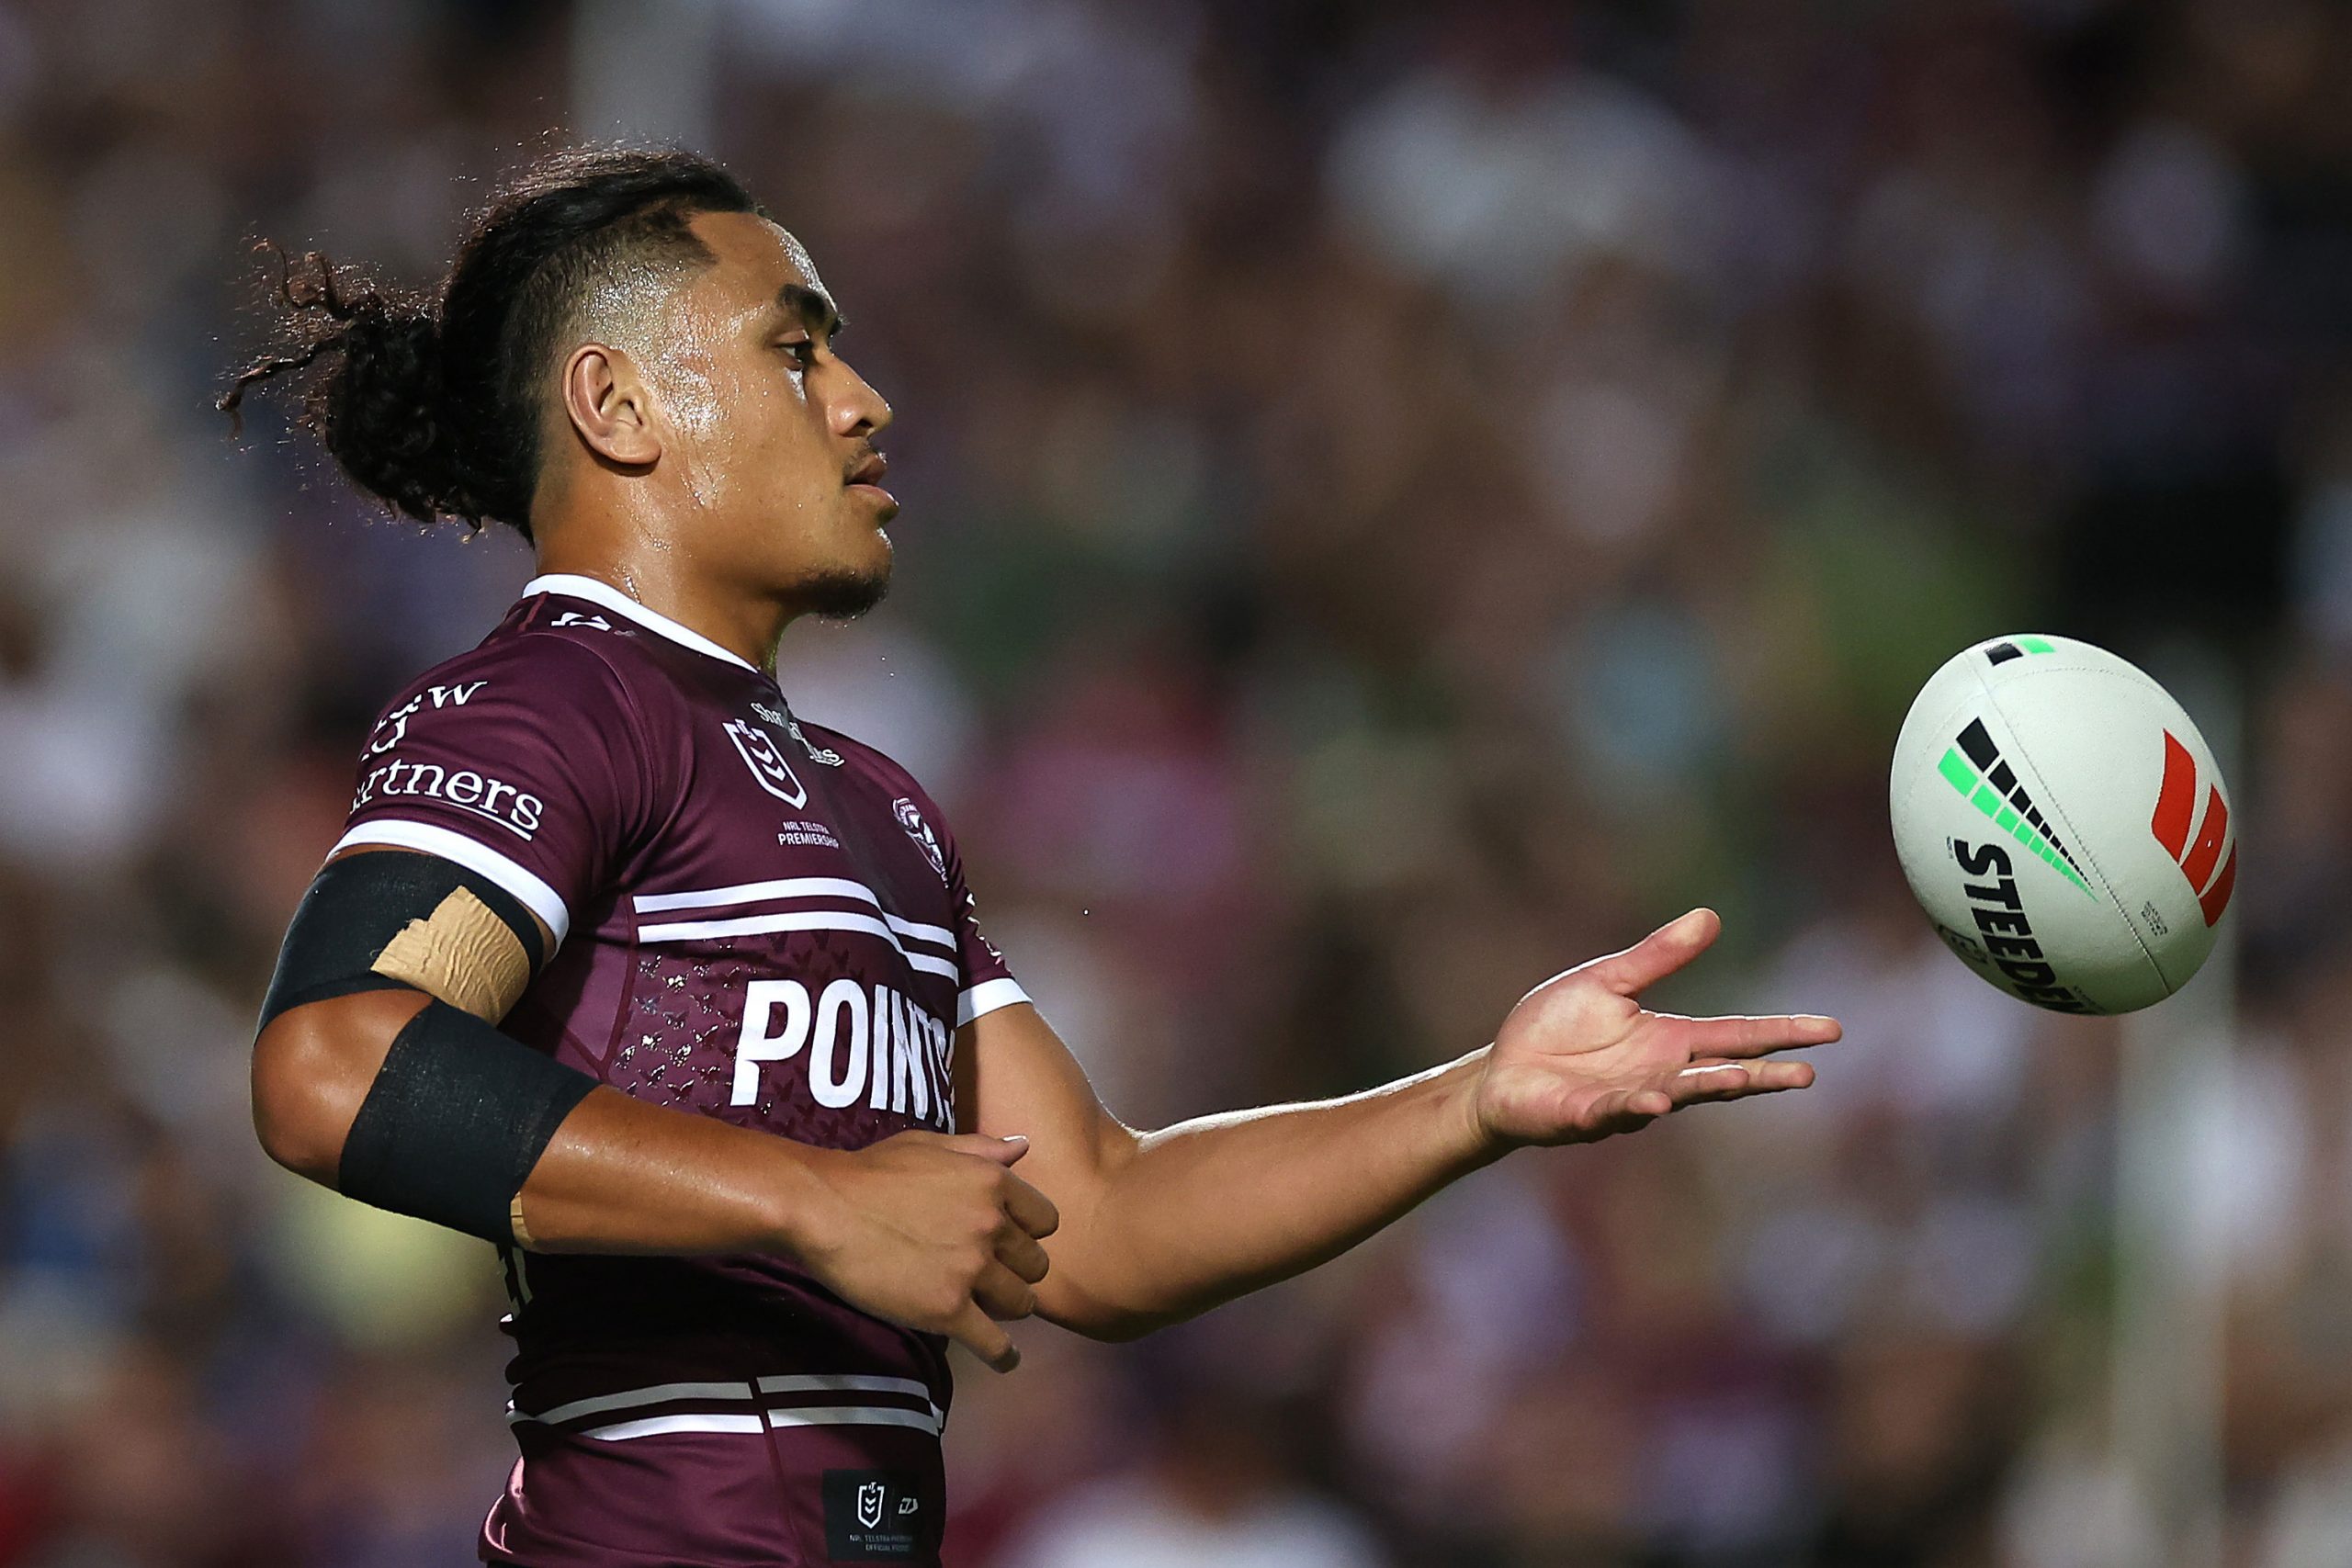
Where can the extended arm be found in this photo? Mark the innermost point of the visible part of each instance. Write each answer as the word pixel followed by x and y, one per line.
pixel 1158 1226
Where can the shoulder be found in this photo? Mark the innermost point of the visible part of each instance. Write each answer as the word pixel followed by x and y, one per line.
pixel 530 691
pixel 552 669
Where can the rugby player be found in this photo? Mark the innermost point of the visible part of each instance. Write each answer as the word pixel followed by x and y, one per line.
pixel 681 1001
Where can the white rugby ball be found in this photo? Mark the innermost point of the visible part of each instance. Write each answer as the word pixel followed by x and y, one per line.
pixel 2064 824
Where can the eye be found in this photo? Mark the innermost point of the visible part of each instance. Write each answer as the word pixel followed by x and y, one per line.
pixel 801 351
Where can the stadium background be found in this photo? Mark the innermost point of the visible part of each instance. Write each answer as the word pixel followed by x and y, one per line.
pixel 1397 499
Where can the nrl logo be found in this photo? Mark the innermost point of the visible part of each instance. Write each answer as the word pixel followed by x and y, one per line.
pixel 869 1503
pixel 758 749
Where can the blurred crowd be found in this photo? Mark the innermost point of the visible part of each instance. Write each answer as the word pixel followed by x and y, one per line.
pixel 1398 499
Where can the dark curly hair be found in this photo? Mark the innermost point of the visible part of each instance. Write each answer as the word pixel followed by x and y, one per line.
pixel 433 402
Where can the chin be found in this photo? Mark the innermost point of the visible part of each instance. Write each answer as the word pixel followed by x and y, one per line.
pixel 843 593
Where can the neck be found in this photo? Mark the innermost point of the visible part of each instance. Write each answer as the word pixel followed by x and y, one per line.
pixel 652 572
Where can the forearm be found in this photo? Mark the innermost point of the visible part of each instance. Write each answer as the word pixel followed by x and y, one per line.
pixel 617 1175
pixel 1201 1213
pixel 1160 1226
pixel 623 1176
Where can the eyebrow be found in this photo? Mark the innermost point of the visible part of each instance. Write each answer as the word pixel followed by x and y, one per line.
pixel 811 308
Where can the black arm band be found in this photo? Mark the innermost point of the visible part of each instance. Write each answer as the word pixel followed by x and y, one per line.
pixel 357 904
pixel 456 1119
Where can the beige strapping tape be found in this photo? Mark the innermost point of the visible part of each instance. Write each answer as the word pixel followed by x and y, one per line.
pixel 522 1231
pixel 463 954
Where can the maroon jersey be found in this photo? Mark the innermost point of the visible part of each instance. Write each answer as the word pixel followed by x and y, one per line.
pixel 756 919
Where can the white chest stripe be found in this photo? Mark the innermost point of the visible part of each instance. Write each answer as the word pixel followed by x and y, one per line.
pixel 792 887
pixel 796 921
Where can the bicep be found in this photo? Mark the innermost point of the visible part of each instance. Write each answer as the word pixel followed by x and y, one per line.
pixel 1015 1077
pixel 548 943
pixel 380 935
pixel 378 917
pixel 313 1067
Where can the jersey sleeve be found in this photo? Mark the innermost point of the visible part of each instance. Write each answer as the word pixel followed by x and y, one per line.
pixel 522 762
pixel 984 980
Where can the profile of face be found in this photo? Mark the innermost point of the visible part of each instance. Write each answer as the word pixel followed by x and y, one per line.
pixel 754 437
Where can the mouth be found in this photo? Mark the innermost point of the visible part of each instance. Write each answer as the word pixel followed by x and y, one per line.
pixel 867 476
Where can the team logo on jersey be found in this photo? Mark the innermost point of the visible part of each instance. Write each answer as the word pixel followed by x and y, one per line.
pixel 920 831
pixel 758 749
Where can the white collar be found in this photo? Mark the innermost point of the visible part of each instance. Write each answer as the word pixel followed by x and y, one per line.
pixel 573 586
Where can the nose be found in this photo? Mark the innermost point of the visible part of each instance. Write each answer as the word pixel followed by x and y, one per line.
pixel 859 409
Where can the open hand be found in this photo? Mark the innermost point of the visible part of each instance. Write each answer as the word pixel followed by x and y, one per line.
pixel 1579 1059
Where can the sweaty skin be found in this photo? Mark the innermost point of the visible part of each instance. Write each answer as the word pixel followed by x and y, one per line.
pixel 699 453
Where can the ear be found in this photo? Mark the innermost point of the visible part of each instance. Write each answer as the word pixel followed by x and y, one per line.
pixel 608 406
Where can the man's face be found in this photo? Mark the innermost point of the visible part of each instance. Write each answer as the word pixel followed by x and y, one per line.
pixel 765 429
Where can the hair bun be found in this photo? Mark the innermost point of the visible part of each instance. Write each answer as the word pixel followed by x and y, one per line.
pixel 434 404
pixel 377 400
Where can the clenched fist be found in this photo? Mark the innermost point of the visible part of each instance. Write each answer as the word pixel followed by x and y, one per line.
pixel 935 1233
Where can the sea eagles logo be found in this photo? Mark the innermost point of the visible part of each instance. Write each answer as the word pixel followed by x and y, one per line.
pixel 759 752
pixel 920 831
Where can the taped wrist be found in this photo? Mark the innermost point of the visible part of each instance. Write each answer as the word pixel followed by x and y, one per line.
pixel 388 918
pixel 456 1119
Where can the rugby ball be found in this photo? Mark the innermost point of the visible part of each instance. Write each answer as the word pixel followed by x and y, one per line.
pixel 2063 825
